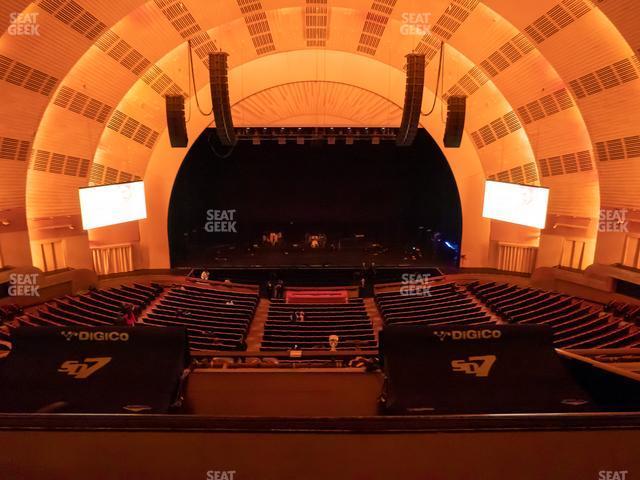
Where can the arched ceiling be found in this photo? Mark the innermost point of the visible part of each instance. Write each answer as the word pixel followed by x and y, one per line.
pixel 315 103
pixel 553 85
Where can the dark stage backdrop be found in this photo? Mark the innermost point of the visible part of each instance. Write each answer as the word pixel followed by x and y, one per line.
pixel 392 195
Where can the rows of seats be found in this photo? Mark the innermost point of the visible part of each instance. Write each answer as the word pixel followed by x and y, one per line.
pixel 5 342
pixel 8 315
pixel 629 312
pixel 95 308
pixel 215 319
pixel 348 321
pixel 575 323
pixel 446 304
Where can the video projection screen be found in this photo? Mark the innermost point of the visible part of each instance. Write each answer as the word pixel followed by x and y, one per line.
pixel 112 204
pixel 513 203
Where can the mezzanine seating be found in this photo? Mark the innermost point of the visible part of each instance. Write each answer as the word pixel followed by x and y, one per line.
pixel 349 321
pixel 93 309
pixel 215 319
pixel 575 323
pixel 437 305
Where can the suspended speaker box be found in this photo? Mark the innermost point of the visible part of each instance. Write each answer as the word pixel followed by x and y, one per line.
pixel 94 369
pixel 176 122
pixel 456 113
pixel 480 369
pixel 412 100
pixel 219 82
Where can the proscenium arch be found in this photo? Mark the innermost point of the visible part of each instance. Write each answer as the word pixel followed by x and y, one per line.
pixel 464 162
pixel 349 188
pixel 108 138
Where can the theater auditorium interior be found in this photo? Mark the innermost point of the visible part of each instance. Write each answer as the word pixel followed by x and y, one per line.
pixel 320 239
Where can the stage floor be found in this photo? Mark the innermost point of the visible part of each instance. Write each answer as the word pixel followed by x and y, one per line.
pixel 276 257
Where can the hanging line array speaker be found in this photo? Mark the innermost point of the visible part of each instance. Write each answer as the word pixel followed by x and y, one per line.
pixel 176 121
pixel 219 81
pixel 412 100
pixel 456 113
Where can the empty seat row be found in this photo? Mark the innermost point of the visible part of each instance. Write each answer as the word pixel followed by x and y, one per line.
pixel 96 308
pixel 575 323
pixel 348 323
pixel 439 305
pixel 215 319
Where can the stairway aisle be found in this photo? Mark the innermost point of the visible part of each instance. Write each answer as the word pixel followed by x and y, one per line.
pixel 143 315
pixel 256 330
pixel 494 318
pixel 374 314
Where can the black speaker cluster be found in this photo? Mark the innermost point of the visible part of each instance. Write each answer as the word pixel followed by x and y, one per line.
pixel 219 81
pixel 456 113
pixel 176 122
pixel 412 100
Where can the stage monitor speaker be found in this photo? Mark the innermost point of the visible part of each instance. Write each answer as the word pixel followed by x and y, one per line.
pixel 94 370
pixel 412 100
pixel 176 122
pixel 456 113
pixel 219 82
pixel 479 369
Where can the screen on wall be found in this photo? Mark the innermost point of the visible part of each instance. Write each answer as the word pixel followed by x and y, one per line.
pixel 112 204
pixel 515 203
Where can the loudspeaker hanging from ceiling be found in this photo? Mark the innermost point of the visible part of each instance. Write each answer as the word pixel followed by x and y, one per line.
pixel 219 82
pixel 412 100
pixel 176 123
pixel 456 113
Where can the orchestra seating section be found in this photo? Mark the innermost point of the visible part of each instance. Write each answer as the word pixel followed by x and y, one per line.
pixel 219 317
pixel 215 319
pixel 446 304
pixel 575 322
pixel 630 313
pixel 95 308
pixel 348 321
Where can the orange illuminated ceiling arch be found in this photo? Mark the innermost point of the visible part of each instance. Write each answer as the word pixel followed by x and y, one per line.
pixel 227 26
pixel 108 148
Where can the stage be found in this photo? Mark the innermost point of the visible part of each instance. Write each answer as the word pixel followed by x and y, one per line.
pixel 252 255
